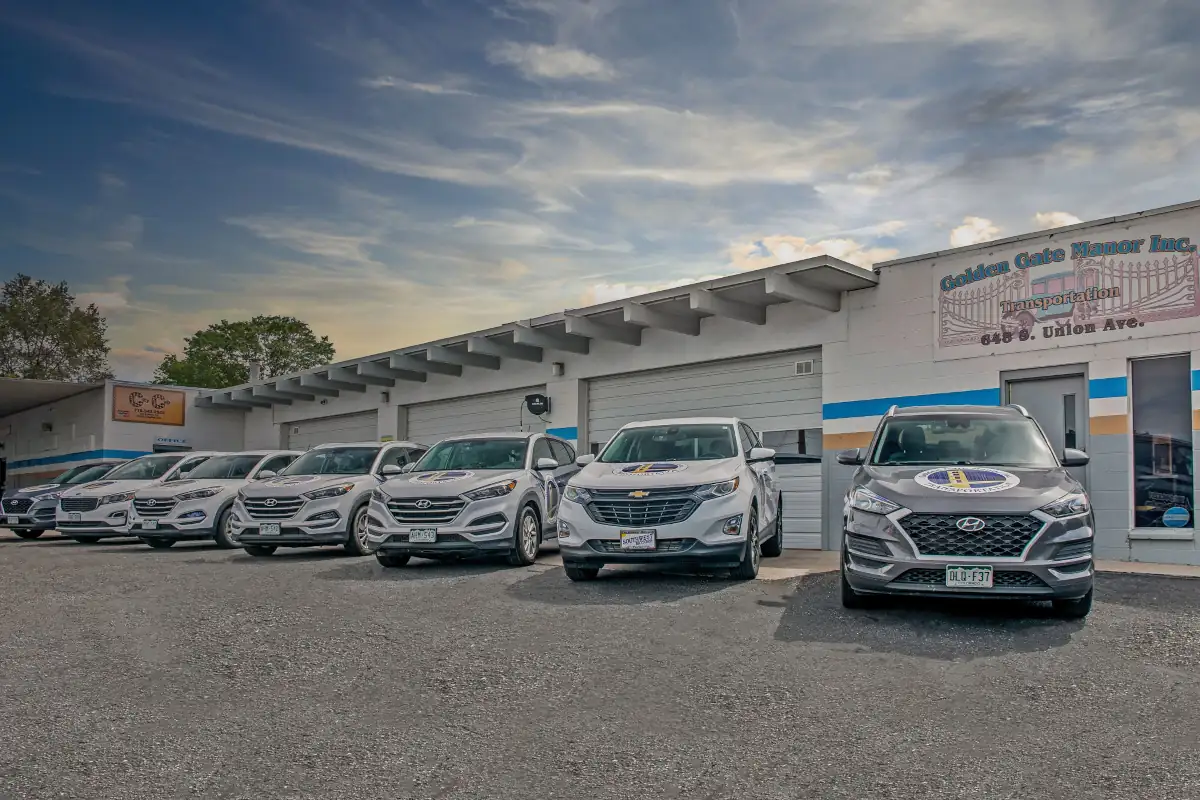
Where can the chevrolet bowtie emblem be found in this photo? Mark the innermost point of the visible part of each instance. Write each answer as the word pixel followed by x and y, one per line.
pixel 639 494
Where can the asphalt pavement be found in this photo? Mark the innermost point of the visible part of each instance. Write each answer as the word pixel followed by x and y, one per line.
pixel 194 672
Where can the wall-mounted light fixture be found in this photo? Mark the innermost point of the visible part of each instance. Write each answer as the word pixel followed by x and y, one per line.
pixel 385 397
pixel 557 369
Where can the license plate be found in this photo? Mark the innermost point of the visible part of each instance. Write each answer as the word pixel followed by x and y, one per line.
pixel 74 516
pixel 638 540
pixel 14 521
pixel 422 536
pixel 969 577
pixel 269 529
pixel 150 524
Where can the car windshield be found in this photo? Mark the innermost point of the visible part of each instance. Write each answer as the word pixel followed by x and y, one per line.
pixel 148 468
pixel 217 467
pixel 671 443
pixel 93 473
pixel 963 440
pixel 475 454
pixel 71 475
pixel 334 461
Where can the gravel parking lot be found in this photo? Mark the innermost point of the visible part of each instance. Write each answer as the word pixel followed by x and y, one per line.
pixel 196 672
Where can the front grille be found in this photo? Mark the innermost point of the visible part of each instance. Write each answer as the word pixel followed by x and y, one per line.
pixel 439 511
pixel 867 545
pixel 662 546
pixel 1003 536
pixel 79 503
pixel 937 577
pixel 153 508
pixel 1074 549
pixel 18 505
pixel 641 513
pixel 270 508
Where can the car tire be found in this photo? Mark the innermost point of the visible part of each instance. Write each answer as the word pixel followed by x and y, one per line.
pixel 391 561
pixel 1074 609
pixel 259 550
pixel 748 569
pixel 527 538
pixel 29 534
pixel 851 598
pixel 579 574
pixel 224 535
pixel 160 544
pixel 356 545
pixel 773 547
pixel 86 539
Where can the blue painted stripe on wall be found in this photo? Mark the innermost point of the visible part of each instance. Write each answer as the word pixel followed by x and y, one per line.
pixel 1100 388
pixel 564 433
pixel 1196 380
pixel 87 455
pixel 879 406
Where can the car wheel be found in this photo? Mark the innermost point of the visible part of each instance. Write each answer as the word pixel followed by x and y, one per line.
pixel 526 538
pixel 224 535
pixel 160 544
pixel 1074 609
pixel 356 545
pixel 391 561
pixel 86 539
pixel 259 550
pixel 582 573
pixel 29 534
pixel 748 569
pixel 851 598
pixel 773 547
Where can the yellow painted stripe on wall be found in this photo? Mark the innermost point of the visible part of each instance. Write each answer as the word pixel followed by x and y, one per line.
pixel 846 441
pixel 1115 425
pixel 1196 420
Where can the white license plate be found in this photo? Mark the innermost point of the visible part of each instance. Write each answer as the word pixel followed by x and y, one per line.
pixel 269 529
pixel 969 577
pixel 422 536
pixel 14 521
pixel 638 540
pixel 150 524
pixel 75 516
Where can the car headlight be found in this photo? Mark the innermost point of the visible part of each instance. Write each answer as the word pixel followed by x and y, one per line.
pixel 577 495
pixel 123 497
pixel 51 496
pixel 495 490
pixel 715 490
pixel 1070 505
pixel 328 491
pixel 871 503
pixel 199 494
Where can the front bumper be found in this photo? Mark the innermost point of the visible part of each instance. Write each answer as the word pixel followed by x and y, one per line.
pixel 188 520
pixel 105 521
pixel 299 530
pixel 38 517
pixel 698 541
pixel 880 557
pixel 481 527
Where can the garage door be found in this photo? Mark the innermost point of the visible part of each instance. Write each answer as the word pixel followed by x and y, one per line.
pixel 308 433
pixel 779 396
pixel 429 423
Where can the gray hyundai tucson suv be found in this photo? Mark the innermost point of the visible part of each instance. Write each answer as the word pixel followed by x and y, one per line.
pixel 966 501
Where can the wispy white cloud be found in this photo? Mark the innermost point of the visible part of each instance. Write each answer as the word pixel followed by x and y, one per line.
pixel 767 251
pixel 554 62
pixel 388 82
pixel 974 230
pixel 1045 220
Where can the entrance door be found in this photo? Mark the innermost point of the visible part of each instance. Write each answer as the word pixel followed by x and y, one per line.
pixel 1060 407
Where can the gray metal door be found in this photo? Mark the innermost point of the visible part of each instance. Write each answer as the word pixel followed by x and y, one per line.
pixel 306 433
pixel 1060 407
pixel 429 423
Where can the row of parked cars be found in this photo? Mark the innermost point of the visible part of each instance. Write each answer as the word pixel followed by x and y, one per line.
pixel 945 501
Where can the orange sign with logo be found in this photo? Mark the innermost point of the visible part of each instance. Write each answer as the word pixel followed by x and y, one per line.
pixel 148 404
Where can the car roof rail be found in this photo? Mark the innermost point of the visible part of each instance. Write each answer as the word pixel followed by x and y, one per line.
pixel 1024 412
pixel 891 411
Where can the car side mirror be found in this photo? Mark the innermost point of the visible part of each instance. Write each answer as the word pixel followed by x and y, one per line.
pixel 390 469
pixel 546 464
pixel 408 467
pixel 1075 458
pixel 584 460
pixel 850 458
pixel 757 454
pixel 266 473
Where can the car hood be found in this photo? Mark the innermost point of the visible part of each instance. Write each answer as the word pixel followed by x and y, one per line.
pixel 967 489
pixel 448 482
pixel 292 485
pixel 104 488
pixel 165 491
pixel 34 492
pixel 655 474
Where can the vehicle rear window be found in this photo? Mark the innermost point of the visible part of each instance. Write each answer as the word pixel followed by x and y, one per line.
pixel 962 439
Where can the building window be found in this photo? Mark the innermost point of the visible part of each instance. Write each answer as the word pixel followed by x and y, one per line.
pixel 1163 486
pixel 803 442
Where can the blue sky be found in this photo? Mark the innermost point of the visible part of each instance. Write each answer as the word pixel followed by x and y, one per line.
pixel 394 172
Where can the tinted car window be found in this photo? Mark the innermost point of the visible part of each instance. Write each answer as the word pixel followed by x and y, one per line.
pixel 278 463
pixel 238 466
pixel 563 453
pixel 475 454
pixel 962 439
pixel 334 461
pixel 87 474
pixel 147 468
pixel 541 449
pixel 671 443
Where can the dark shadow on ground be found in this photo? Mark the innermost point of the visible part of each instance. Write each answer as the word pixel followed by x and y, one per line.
pixel 418 569
pixel 1148 592
pixel 141 547
pixel 296 554
pixel 961 630
pixel 615 587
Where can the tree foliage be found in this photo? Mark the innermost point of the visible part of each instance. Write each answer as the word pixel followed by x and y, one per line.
pixel 221 354
pixel 45 335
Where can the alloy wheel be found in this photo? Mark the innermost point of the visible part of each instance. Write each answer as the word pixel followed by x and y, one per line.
pixel 360 528
pixel 755 551
pixel 529 535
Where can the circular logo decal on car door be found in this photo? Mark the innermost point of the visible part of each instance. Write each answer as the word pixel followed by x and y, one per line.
pixel 967 480
pixel 652 468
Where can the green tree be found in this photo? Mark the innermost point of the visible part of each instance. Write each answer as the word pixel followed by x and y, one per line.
pixel 45 335
pixel 221 354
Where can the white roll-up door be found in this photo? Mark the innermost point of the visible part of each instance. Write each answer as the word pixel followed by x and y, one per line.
pixel 429 423
pixel 362 427
pixel 778 395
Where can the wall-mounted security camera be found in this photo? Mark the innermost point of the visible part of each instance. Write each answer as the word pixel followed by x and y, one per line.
pixel 538 404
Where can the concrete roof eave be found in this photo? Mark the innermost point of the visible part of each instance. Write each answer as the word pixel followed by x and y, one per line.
pixel 20 394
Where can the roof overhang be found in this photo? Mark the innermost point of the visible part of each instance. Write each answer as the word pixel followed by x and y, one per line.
pixel 19 394
pixel 815 282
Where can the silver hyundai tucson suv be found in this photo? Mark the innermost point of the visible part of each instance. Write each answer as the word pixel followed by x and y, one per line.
pixel 966 501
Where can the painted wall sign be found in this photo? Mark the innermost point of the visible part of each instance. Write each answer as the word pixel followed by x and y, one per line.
pixel 148 404
pixel 1080 292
